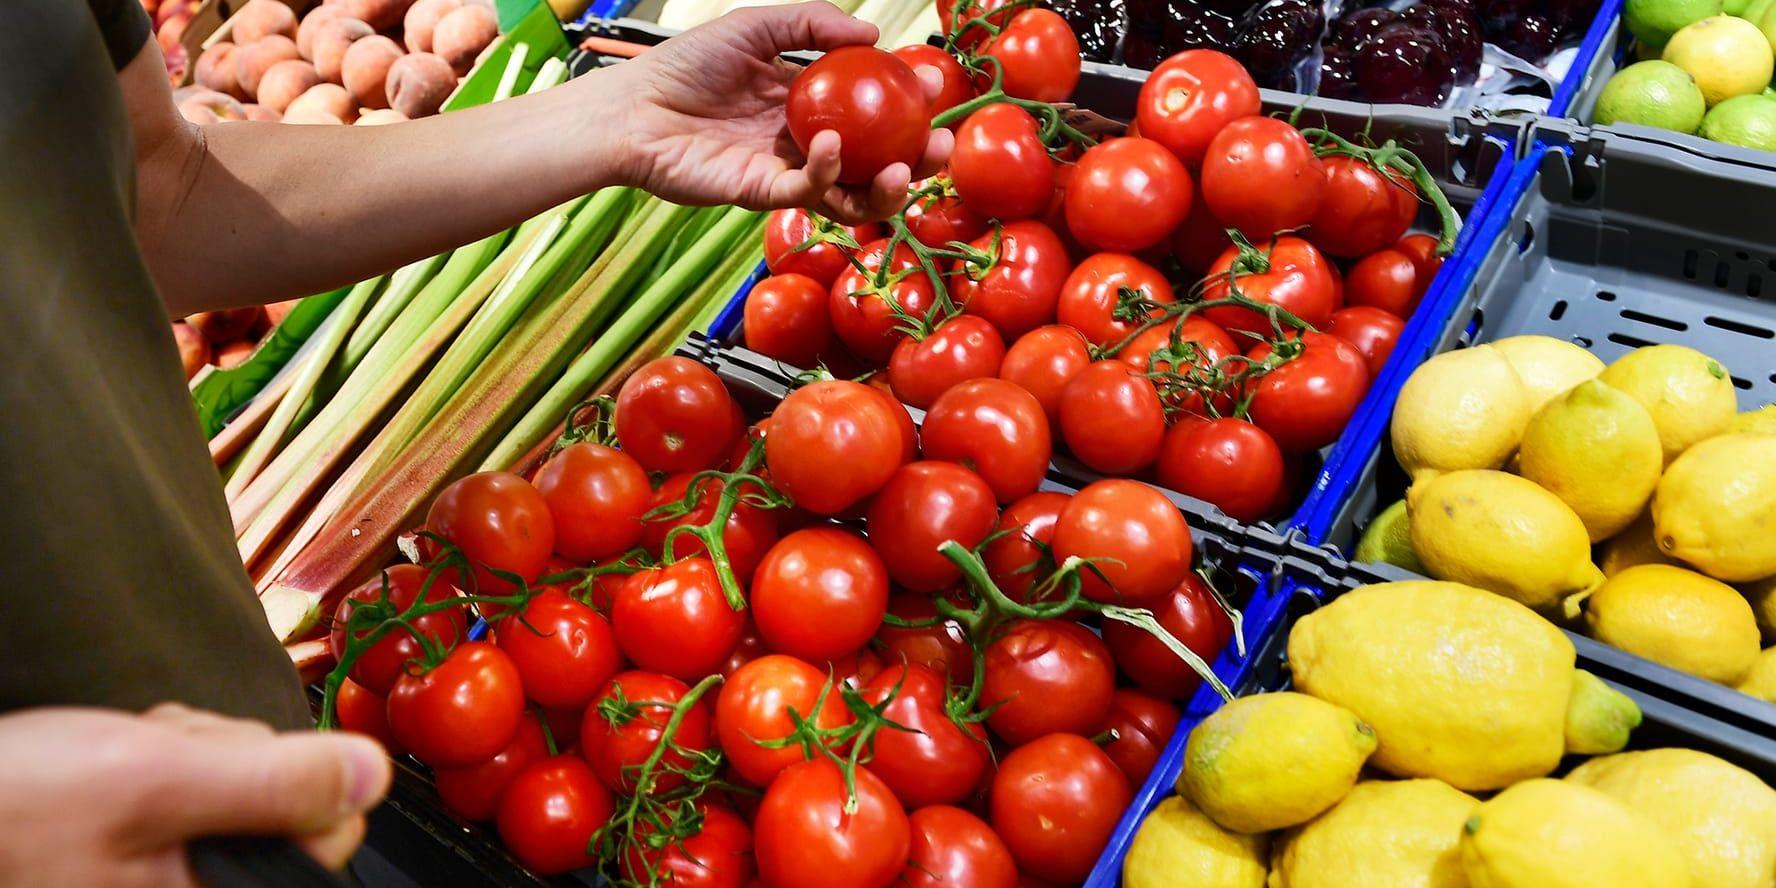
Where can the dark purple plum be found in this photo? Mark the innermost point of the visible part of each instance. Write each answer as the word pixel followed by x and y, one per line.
pixel 1337 80
pixel 1097 23
pixel 1468 6
pixel 1238 9
pixel 1143 12
pixel 1531 38
pixel 1282 33
pixel 1200 28
pixel 1460 35
pixel 1496 16
pixel 1404 62
pixel 1351 30
pixel 1572 16
pixel 1141 48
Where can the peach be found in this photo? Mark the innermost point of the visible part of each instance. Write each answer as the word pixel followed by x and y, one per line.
pixel 234 354
pixel 381 117
pixel 225 325
pixel 311 115
pixel 201 105
pixel 173 8
pixel 422 19
pixel 284 82
pixel 262 18
pixel 326 97
pixel 330 43
pixel 215 70
pixel 365 69
pixel 419 83
pixel 462 34
pixel 254 59
pixel 194 350
pixel 262 114
pixel 311 23
pixel 277 311
pixel 381 14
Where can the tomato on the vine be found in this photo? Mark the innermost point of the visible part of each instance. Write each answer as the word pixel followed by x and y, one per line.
pixel 626 723
pixel 460 712
pixel 834 442
pixel 1093 299
pixel 499 522
pixel 1289 273
pixel 942 646
pixel 549 813
pixel 1034 666
pixel 786 317
pixel 474 792
pixel 935 761
pixel 871 99
pixel 754 707
pixel 864 314
pixel 988 11
pixel 936 220
pixel 1140 539
pixel 1127 195
pixel 1305 403
pixel 806 835
pixel 749 533
pixel 959 349
pixel 995 428
pixel 382 663
pixel 1385 279
pixel 1229 463
pixel 364 711
pixel 1018 285
pixel 1018 559
pixel 1202 345
pixel 923 505
pixel 999 164
pixel 1423 250
pixel 596 495
pixel 1043 361
pixel 822 260
pixel 1190 97
pixel 1362 210
pixel 1143 725
pixel 855 669
pixel 564 650
pixel 675 415
pixel 676 620
pixel 1191 615
pixel 1055 803
pixel 1373 331
pixel 1038 55
pixel 957 86
pixel 718 855
pixel 819 593
pixel 952 847
pixel 1260 176
pixel 1112 418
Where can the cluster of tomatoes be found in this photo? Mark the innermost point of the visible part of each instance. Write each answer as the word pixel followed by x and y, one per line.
pixel 1203 301
pixel 826 649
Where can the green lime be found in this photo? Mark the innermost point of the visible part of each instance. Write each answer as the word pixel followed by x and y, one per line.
pixel 1745 120
pixel 1388 539
pixel 1735 7
pixel 1654 21
pixel 1652 94
pixel 1754 11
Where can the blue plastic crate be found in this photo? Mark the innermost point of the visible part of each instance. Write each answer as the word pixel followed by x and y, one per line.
pixel 1594 64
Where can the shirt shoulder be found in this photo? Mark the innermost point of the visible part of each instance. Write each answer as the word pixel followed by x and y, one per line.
pixel 125 26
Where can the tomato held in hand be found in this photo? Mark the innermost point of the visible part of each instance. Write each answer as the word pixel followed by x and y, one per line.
pixel 378 667
pixel 1018 286
pixel 749 533
pixel 786 317
pixel 675 415
pixel 474 792
pixel 1261 177
pixel 1093 300
pixel 564 650
pixel 1019 559
pixel 754 706
pixel 1290 274
pixel 822 260
pixel 1143 725
pixel 819 594
pixel 863 314
pixel 1112 418
pixel 1127 195
pixel 1362 210
pixel 952 848
pixel 719 855
pixel 994 428
pixel 962 348
pixel 942 647
pixel 1190 97
pixel 871 99
pixel 957 86
pixel 1000 166
pixel 1229 463
pixel 1385 279
pixel 935 762
pixel 462 711
pixel 922 506
pixel 1055 803
pixel 499 522
pixel 1191 614
pixel 805 837
pixel 1043 361
pixel 834 442
pixel 1140 538
pixel 365 712
pixel 550 812
pixel 675 619
pixel 1374 332
pixel 627 722
pixel 1039 57
pixel 1305 403
pixel 937 220
pixel 596 495
pixel 1035 666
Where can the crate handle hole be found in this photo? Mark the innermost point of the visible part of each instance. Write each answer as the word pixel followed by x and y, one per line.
pixel 1630 341
pixel 1739 327
pixel 1583 342
pixel 1754 286
pixel 1722 275
pixel 1606 296
pixel 1743 256
pixel 1691 261
pixel 1655 320
pixel 1526 239
pixel 1741 383
pixel 1558 311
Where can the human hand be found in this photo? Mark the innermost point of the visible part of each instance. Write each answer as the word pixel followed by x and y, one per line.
pixel 97 797
pixel 703 121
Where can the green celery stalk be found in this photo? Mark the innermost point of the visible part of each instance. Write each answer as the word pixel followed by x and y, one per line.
pixel 403 286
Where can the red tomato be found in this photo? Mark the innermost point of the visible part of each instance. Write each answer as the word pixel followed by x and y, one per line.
pixel 1362 210
pixel 754 706
pixel 1423 250
pixel 820 593
pixel 1127 195
pixel 785 230
pixel 1018 288
pixel 1143 725
pixel 1112 418
pixel 1140 538
pixel 499 522
pixel 1387 280
pixel 1019 559
pixel 364 712
pixel 1202 344
pixel 1091 299
pixel 1000 166
pixel 1039 57
pixel 1291 275
pixel 564 726
pixel 1055 803
pixel 749 648
pixel 1374 332
pixel 935 761
pixel 962 348
pixel 474 792
pixel 952 848
pixel 1199 240
pixel 1305 403
pixel 942 647
pixel 834 442
pixel 749 533
pixel 988 11
pixel 564 650
pixel 903 421
pixel 1192 616
pixel 862 314
pixel 940 219
pixel 550 812
pixel 995 428
pixel 618 743
pixel 1043 361
pixel 922 506
pixel 596 495
pixel 786 318
pixel 855 669
pixel 805 837
pixel 718 856
pixel 675 619
pixel 957 87
pixel 1046 676
pixel 378 667
pixel 1229 463
pixel 871 99
pixel 1261 177
pixel 675 415
pixel 462 711
pixel 1190 97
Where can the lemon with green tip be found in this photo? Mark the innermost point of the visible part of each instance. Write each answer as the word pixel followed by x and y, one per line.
pixel 1715 508
pixel 1599 718
pixel 1464 409
pixel 1393 833
pixel 1596 449
pixel 1558 834
pixel 1178 844
pixel 1502 533
pixel 1676 617
pixel 1271 761
pixel 1689 394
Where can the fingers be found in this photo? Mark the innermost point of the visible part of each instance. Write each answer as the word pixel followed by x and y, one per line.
pixel 804 187
pixel 937 153
pixel 803 26
pixel 186 720
pixel 883 198
pixel 335 847
pixel 931 79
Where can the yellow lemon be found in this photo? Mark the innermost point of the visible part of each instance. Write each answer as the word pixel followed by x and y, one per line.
pixel 1549 367
pixel 1179 845
pixel 1760 682
pixel 1599 718
pixel 1676 617
pixel 1393 833
pixel 1633 545
pixel 1596 449
pixel 1555 834
pixel 1716 508
pixel 1464 409
pixel 1761 421
pixel 1728 56
pixel 1762 595
pixel 1689 394
pixel 1501 533
pixel 1271 761
pixel 1721 817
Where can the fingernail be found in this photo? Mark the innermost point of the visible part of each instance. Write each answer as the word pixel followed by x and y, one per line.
pixel 367 771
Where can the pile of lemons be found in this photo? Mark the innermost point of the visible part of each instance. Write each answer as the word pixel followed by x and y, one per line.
pixel 1629 501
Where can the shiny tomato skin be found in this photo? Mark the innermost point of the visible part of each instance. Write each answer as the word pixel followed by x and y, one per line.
pixel 1374 332
pixel 934 763
pixel 786 317
pixel 1305 403
pixel 1294 276
pixel 1018 559
pixel 1227 462
pixel 957 86
pixel 1055 803
pixel 675 415
pixel 1043 361
pixel 805 839
pixel 473 793
pixel 499 522
pixel 616 748
pixel 550 812
pixel 994 428
pixel 1192 616
pixel 1143 724
pixel 1127 521
pixel 1127 195
pixel 1034 665
pixel 835 442
pixel 1423 250
pixel 1112 418
pixel 1090 296
pixel 749 533
pixel 1211 343
pixel 923 505
pixel 462 711
pixel 1387 280
pixel 1039 57
pixel 1362 210
pixel 1190 97
pixel 871 99
pixel 1021 287
pixel 856 669
pixel 718 856
pixel 564 650
pixel 1000 166
pixel 363 711
pixel 936 220
pixel 991 11
pixel 819 593
pixel 960 349
pixel 1199 240
pixel 676 620
pixel 754 705
pixel 952 848
pixel 596 495
pixel 861 315
pixel 750 647
pixel 378 667
pixel 787 229
pixel 1260 176
pixel 942 647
